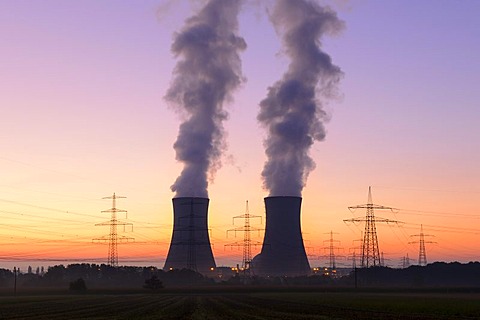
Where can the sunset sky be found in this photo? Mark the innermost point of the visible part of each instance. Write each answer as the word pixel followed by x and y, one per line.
pixel 83 116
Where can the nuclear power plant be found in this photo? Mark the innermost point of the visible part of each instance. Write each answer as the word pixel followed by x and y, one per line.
pixel 190 246
pixel 283 252
pixel 207 73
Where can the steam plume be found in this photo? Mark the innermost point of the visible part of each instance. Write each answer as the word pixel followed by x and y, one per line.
pixel 293 111
pixel 208 71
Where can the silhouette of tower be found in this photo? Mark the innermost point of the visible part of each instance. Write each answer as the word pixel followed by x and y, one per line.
pixel 370 250
pixel 331 250
pixel 353 251
pixel 405 262
pixel 283 252
pixel 247 242
pixel 382 260
pixel 422 255
pixel 113 239
pixel 190 245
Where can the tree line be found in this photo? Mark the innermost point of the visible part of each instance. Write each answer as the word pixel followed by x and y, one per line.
pixel 82 276
pixel 101 276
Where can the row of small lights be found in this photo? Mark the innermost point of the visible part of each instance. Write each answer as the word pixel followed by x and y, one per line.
pixel 315 270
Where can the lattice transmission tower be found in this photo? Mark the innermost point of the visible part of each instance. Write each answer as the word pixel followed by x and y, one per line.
pixel 405 262
pixel 247 242
pixel 113 239
pixel 422 254
pixel 370 250
pixel 382 259
pixel 353 251
pixel 331 250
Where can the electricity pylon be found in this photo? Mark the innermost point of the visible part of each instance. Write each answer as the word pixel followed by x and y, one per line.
pixel 353 251
pixel 370 250
pixel 247 242
pixel 382 259
pixel 331 250
pixel 113 238
pixel 422 254
pixel 405 262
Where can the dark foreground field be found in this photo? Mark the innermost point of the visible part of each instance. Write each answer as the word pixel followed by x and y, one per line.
pixel 244 305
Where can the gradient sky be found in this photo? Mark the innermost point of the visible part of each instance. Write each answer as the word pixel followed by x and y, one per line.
pixel 83 116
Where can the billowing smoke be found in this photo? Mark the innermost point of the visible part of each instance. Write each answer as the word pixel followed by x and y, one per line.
pixel 293 111
pixel 206 74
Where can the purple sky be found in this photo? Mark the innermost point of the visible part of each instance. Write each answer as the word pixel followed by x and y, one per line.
pixel 83 115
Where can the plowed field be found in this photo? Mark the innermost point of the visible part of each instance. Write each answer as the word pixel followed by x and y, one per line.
pixel 230 305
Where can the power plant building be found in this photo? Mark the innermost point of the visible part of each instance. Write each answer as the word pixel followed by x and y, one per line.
pixel 283 252
pixel 190 245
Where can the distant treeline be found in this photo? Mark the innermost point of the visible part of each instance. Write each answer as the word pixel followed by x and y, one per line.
pixel 102 276
pixel 437 274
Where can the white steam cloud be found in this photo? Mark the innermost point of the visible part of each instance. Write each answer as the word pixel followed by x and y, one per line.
pixel 206 74
pixel 293 110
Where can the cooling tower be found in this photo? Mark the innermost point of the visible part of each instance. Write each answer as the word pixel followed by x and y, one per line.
pixel 283 252
pixel 190 246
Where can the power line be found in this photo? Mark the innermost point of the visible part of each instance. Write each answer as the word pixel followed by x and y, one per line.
pixel 437 214
pixel 66 211
pixel 40 217
pixel 446 229
pixel 428 190
pixel 47 208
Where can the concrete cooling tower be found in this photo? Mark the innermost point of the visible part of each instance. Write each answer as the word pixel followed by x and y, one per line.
pixel 283 252
pixel 190 246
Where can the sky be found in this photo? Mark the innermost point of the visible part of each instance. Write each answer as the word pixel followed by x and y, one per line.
pixel 83 115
